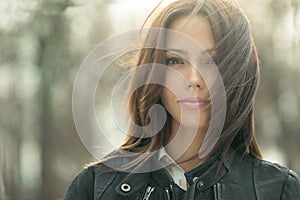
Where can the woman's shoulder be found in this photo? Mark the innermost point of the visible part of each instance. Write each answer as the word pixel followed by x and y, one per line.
pixel 81 187
pixel 268 180
pixel 262 167
pixel 271 177
pixel 274 170
pixel 91 180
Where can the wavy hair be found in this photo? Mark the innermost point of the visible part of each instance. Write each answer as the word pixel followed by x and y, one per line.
pixel 237 62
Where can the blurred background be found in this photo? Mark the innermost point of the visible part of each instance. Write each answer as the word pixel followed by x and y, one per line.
pixel 42 45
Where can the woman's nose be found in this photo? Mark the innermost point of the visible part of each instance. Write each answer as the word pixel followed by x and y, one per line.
pixel 195 79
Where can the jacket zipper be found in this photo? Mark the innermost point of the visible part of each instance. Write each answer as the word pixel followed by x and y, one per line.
pixel 149 190
pixel 218 192
pixel 169 192
pixel 215 192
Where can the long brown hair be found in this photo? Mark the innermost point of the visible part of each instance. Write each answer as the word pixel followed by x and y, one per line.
pixel 237 62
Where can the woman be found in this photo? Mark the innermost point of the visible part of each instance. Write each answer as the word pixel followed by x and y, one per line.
pixel 186 158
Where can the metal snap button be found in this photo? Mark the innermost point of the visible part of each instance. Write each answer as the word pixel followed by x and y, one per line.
pixel 200 184
pixel 125 187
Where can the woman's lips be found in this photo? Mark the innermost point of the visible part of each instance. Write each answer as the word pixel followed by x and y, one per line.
pixel 194 103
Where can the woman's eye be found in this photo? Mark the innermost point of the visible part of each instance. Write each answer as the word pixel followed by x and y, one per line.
pixel 174 61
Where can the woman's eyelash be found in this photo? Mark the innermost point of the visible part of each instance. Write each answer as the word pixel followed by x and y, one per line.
pixel 174 61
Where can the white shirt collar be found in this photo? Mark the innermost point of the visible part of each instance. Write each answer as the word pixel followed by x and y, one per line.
pixel 175 171
pixel 164 157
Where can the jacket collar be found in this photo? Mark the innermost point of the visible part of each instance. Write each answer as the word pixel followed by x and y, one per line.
pixel 208 173
pixel 211 171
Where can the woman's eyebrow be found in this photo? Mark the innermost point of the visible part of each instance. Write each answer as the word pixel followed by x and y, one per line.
pixel 185 53
pixel 178 51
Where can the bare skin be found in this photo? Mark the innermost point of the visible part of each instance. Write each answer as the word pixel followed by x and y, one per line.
pixel 184 110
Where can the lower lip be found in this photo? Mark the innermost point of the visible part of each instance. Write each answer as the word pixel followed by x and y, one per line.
pixel 194 105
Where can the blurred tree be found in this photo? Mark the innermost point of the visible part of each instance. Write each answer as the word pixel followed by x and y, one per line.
pixel 37 133
pixel 52 30
pixel 277 105
pixel 56 62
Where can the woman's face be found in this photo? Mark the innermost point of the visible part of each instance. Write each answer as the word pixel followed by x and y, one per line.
pixel 187 99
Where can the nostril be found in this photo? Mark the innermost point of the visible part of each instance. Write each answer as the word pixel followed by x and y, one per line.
pixel 195 85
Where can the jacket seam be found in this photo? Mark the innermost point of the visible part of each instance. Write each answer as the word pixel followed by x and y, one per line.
pixel 285 183
pixel 254 179
pixel 105 186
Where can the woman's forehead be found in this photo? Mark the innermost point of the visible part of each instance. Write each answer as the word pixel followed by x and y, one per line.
pixel 195 29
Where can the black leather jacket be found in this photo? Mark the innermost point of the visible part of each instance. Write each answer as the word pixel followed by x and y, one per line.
pixel 242 178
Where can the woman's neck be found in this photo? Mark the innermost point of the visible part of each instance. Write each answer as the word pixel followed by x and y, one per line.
pixel 184 145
